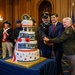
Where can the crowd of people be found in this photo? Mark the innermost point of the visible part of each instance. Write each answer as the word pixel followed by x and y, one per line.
pixel 55 37
pixel 58 37
pixel 7 37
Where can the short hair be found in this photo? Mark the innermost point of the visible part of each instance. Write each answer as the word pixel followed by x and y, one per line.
pixel 56 15
pixel 68 19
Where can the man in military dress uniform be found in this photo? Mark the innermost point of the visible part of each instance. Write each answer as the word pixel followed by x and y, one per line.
pixel 6 37
pixel 43 32
pixel 68 40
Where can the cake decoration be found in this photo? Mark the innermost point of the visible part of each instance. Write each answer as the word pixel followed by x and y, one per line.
pixel 27 39
pixel 26 45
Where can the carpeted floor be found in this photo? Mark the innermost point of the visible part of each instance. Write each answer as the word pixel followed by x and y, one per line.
pixel 65 66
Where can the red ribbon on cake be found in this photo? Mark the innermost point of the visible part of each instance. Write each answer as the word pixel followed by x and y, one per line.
pixel 19 39
pixel 14 58
pixel 27 39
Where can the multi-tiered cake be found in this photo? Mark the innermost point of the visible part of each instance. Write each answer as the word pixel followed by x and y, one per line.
pixel 26 45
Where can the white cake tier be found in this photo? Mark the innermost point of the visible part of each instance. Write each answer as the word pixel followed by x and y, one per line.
pixel 26 45
pixel 26 34
pixel 26 55
pixel 27 23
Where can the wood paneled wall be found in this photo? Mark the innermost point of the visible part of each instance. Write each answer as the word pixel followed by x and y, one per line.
pixel 2 11
pixel 14 9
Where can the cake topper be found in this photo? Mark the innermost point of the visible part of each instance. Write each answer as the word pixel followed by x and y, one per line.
pixel 25 17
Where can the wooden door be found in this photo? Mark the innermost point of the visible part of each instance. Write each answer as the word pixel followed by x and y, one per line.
pixel 45 6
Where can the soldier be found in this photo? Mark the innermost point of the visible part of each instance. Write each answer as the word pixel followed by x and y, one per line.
pixel 43 32
pixel 17 30
pixel 6 36
pixel 68 40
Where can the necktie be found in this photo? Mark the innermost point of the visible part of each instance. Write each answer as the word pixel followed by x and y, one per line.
pixel 53 28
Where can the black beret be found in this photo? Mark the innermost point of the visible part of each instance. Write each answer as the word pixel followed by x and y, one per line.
pixel 45 16
pixel 6 22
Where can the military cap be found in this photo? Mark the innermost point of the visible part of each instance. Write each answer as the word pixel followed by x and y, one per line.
pixel 6 22
pixel 18 21
pixel 45 16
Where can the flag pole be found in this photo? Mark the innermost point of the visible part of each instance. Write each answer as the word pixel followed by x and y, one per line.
pixel 73 13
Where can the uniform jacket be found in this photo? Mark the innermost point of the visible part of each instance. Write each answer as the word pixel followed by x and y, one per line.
pixel 68 40
pixel 43 31
pixel 9 31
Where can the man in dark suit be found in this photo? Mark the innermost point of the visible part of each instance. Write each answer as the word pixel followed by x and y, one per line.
pixel 43 32
pixel 55 30
pixel 68 40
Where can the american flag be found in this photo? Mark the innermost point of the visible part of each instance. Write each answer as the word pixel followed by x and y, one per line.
pixel 73 19
pixel 14 56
